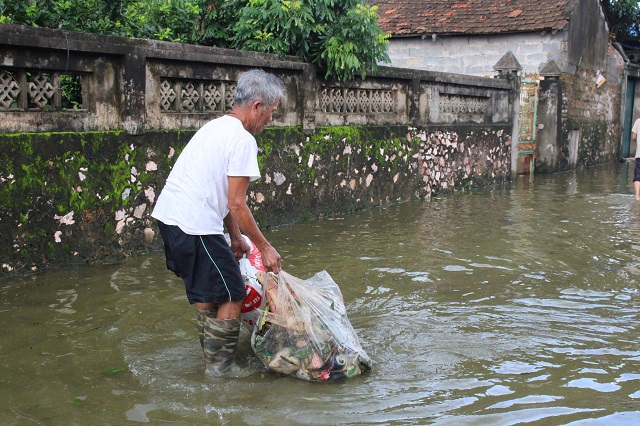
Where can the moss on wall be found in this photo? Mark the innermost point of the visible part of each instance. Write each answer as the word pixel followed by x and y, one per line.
pixel 59 193
pixel 598 142
pixel 84 197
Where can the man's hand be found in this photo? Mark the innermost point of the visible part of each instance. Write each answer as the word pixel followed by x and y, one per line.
pixel 271 259
pixel 239 247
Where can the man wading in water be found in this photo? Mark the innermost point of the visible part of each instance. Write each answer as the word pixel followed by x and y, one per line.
pixel 206 192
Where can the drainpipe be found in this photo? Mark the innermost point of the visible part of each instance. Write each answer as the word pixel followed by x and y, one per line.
pixel 507 68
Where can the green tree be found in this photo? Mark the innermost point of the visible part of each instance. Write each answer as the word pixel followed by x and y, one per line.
pixel 341 37
pixel 175 20
pixel 624 19
pixel 62 14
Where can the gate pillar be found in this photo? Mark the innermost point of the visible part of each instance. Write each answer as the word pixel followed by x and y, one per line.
pixel 507 68
pixel 550 120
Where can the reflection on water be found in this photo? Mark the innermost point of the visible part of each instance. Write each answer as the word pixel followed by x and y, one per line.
pixel 517 305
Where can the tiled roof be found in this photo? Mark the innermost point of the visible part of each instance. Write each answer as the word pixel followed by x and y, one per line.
pixel 419 17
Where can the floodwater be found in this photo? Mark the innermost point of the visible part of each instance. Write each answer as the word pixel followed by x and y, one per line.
pixel 516 305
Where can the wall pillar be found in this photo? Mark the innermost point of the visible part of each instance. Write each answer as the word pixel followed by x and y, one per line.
pixel 549 122
pixel 414 102
pixel 309 92
pixel 508 68
pixel 133 89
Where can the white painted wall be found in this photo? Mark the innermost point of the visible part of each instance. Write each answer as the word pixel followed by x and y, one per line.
pixel 476 55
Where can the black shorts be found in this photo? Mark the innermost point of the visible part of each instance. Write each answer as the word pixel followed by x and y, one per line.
pixel 205 263
pixel 636 171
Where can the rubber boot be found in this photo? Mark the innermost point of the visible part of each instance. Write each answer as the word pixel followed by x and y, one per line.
pixel 201 316
pixel 220 342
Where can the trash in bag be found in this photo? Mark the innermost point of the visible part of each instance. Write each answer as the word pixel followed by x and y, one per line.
pixel 304 330
pixel 254 300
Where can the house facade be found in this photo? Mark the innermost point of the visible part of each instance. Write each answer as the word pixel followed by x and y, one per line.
pixel 574 80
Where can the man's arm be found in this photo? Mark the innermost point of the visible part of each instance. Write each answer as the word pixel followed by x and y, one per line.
pixel 238 244
pixel 238 208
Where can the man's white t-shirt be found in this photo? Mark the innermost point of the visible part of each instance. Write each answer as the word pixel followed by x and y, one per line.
pixel 636 129
pixel 196 193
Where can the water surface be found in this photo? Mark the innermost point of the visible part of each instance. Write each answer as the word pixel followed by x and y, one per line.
pixel 515 305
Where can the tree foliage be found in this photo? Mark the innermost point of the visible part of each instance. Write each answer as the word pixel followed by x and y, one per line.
pixel 341 37
pixel 624 19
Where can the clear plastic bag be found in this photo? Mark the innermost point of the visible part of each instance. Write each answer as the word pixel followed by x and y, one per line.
pixel 304 330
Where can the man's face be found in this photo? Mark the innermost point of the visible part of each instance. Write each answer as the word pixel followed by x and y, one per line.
pixel 260 116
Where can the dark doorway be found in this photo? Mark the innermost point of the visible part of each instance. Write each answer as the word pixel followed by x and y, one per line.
pixel 628 150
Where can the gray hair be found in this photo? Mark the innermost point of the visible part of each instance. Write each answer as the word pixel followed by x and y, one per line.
pixel 257 85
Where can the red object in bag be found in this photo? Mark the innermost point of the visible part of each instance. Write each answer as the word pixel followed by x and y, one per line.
pixel 252 300
pixel 255 257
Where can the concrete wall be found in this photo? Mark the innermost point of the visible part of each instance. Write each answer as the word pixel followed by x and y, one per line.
pixel 588 38
pixel 138 85
pixel 477 54
pixel 591 113
pixel 87 196
pixel 579 121
pixel 78 185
